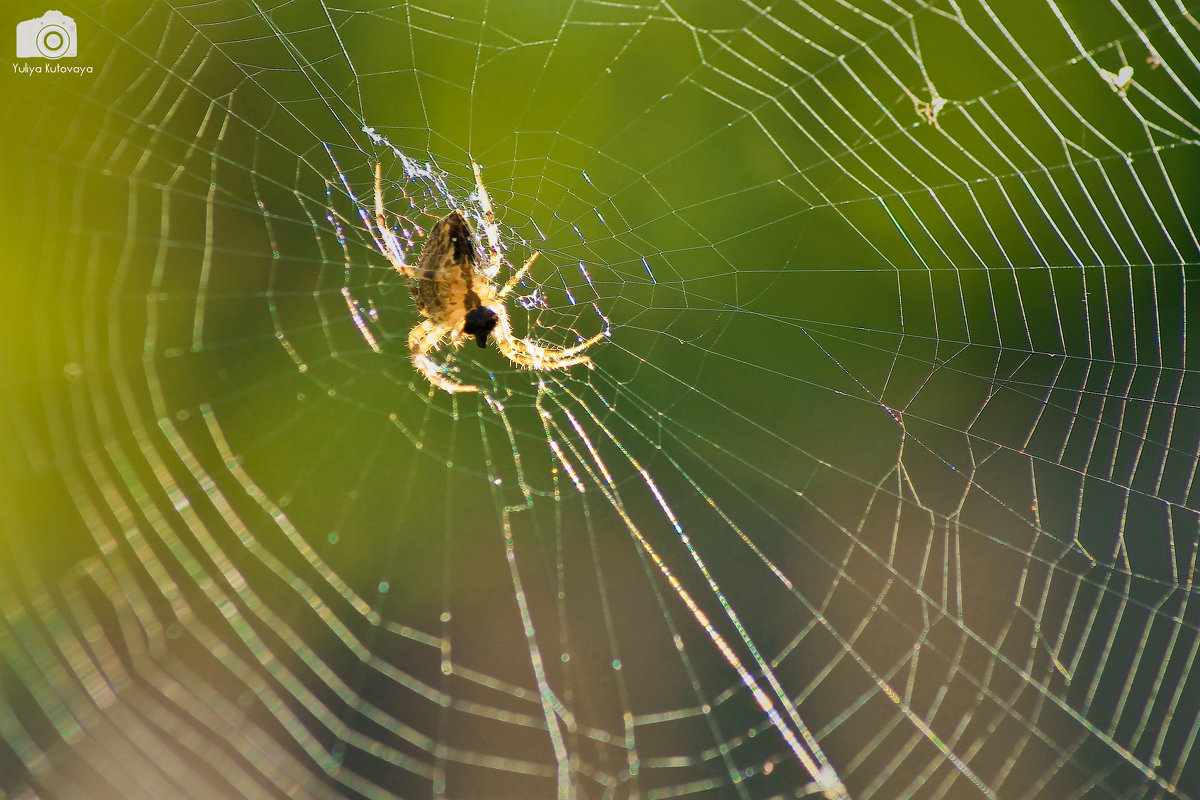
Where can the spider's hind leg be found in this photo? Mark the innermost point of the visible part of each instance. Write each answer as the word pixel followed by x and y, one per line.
pixel 388 243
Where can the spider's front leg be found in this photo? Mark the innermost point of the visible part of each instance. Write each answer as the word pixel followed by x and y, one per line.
pixel 515 279
pixel 424 338
pixel 491 232
pixel 391 247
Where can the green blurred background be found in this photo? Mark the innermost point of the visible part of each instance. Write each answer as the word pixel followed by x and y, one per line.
pixel 936 373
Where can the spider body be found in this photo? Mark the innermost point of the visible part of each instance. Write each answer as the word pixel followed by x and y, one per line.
pixel 443 281
pixel 458 298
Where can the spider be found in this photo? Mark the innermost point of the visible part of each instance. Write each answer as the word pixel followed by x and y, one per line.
pixel 458 298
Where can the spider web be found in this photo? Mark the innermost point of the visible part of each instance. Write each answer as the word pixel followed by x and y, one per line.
pixel 882 485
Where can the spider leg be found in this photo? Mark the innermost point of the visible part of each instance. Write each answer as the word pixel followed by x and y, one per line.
pixel 489 217
pixel 493 236
pixel 515 279
pixel 484 199
pixel 570 362
pixel 550 361
pixel 579 348
pixel 379 192
pixel 525 353
pixel 424 338
pixel 391 249
pixel 533 356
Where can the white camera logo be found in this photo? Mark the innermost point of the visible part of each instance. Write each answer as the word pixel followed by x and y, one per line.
pixel 52 35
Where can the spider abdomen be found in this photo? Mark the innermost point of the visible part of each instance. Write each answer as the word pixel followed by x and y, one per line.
pixel 444 277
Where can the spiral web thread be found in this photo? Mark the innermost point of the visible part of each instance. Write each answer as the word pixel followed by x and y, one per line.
pixel 882 485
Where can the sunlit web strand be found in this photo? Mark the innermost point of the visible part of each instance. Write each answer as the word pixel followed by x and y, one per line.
pixel 812 758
